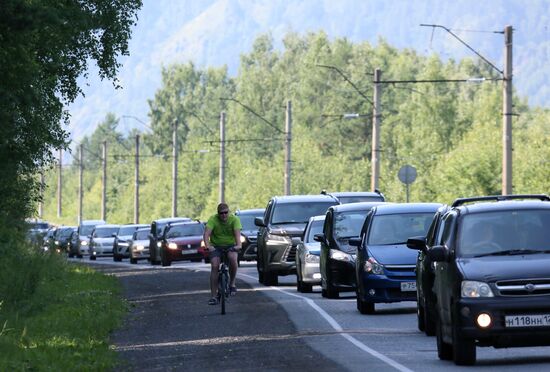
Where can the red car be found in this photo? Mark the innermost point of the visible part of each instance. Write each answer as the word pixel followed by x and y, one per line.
pixel 182 241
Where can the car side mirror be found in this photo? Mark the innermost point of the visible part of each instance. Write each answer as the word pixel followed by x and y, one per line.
pixel 114 235
pixel 320 238
pixel 355 242
pixel 438 253
pixel 417 243
pixel 259 221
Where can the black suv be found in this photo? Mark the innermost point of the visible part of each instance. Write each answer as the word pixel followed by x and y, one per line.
pixel 281 229
pixel 492 275
pixel 425 297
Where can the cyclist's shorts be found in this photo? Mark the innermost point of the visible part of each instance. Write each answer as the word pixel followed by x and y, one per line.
pixel 217 252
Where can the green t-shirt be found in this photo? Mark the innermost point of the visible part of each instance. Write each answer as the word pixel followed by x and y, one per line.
pixel 223 233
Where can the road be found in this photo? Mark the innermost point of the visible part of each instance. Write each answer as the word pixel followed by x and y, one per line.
pixel 171 327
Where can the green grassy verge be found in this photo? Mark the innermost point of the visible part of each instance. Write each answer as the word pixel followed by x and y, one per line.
pixel 56 316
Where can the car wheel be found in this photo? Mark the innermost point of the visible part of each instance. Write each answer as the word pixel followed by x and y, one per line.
pixel 271 279
pixel 464 349
pixel 93 258
pixel 260 277
pixel 117 258
pixel 429 321
pixel 298 284
pixel 332 292
pixel 365 307
pixel 420 317
pixel 164 260
pixel 444 350
pixel 133 261
pixel 323 292
pixel 307 288
pixel 71 255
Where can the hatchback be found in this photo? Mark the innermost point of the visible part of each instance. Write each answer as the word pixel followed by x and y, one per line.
pixel 385 267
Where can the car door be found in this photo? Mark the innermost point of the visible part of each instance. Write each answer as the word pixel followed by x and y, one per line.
pixel 444 270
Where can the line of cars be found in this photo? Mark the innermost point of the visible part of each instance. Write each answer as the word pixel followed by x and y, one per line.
pixel 479 268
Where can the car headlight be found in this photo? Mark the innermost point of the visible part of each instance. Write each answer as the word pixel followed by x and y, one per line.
pixel 243 239
pixel 56 242
pixel 139 247
pixel 341 256
pixel 83 242
pixel 312 258
pixel 371 266
pixel 172 246
pixel 159 244
pixel 278 238
pixel 473 289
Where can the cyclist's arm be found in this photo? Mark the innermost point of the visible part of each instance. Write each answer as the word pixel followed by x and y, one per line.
pixel 206 238
pixel 237 234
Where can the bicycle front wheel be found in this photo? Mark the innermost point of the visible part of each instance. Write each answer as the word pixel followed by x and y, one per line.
pixel 222 290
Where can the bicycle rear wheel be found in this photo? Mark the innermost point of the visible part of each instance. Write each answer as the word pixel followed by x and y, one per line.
pixel 222 290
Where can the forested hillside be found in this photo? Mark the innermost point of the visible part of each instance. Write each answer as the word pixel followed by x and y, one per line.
pixel 451 132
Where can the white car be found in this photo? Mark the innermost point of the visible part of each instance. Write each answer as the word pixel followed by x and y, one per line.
pixel 139 245
pixel 101 241
pixel 307 256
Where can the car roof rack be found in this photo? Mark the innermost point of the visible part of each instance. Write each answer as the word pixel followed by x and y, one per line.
pixel 462 201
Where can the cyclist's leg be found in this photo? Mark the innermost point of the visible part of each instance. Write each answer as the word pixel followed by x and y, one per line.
pixel 232 258
pixel 214 268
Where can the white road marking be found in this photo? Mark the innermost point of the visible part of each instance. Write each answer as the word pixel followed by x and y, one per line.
pixel 337 327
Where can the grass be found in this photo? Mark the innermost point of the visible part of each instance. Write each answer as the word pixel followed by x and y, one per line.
pixel 56 316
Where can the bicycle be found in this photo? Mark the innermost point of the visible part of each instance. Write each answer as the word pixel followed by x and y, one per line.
pixel 223 278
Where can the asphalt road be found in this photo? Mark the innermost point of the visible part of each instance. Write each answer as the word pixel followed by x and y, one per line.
pixel 171 327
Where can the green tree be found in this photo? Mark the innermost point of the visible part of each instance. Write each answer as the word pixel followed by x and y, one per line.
pixel 45 46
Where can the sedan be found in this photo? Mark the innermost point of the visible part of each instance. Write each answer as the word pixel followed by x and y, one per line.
pixel 181 241
pixel 121 242
pixel 307 256
pixel 101 241
pixel 139 245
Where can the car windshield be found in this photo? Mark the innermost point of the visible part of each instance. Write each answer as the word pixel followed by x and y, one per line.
pixel 504 233
pixel 247 221
pixel 298 212
pixel 65 233
pixel 348 224
pixel 126 230
pixel 185 230
pixel 38 225
pixel 316 227
pixel 105 232
pixel 397 228
pixel 86 230
pixel 359 199
pixel 142 234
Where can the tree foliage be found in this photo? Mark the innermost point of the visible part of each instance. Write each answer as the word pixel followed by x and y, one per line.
pixel 451 132
pixel 45 46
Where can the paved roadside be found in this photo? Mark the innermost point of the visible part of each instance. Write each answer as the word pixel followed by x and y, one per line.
pixel 170 327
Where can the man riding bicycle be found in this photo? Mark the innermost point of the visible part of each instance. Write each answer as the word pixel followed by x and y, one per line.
pixel 222 230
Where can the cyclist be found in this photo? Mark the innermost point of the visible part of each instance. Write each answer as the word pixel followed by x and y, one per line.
pixel 222 230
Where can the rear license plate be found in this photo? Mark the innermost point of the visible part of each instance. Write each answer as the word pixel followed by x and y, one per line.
pixel 189 251
pixel 408 286
pixel 527 320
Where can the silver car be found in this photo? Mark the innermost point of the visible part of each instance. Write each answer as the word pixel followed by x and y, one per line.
pixel 101 241
pixel 139 245
pixel 307 256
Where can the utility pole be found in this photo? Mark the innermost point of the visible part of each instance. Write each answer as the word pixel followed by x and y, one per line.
pixel 136 183
pixel 175 169
pixel 507 185
pixel 81 170
pixel 59 182
pixel 288 141
pixel 375 155
pixel 104 184
pixel 222 158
